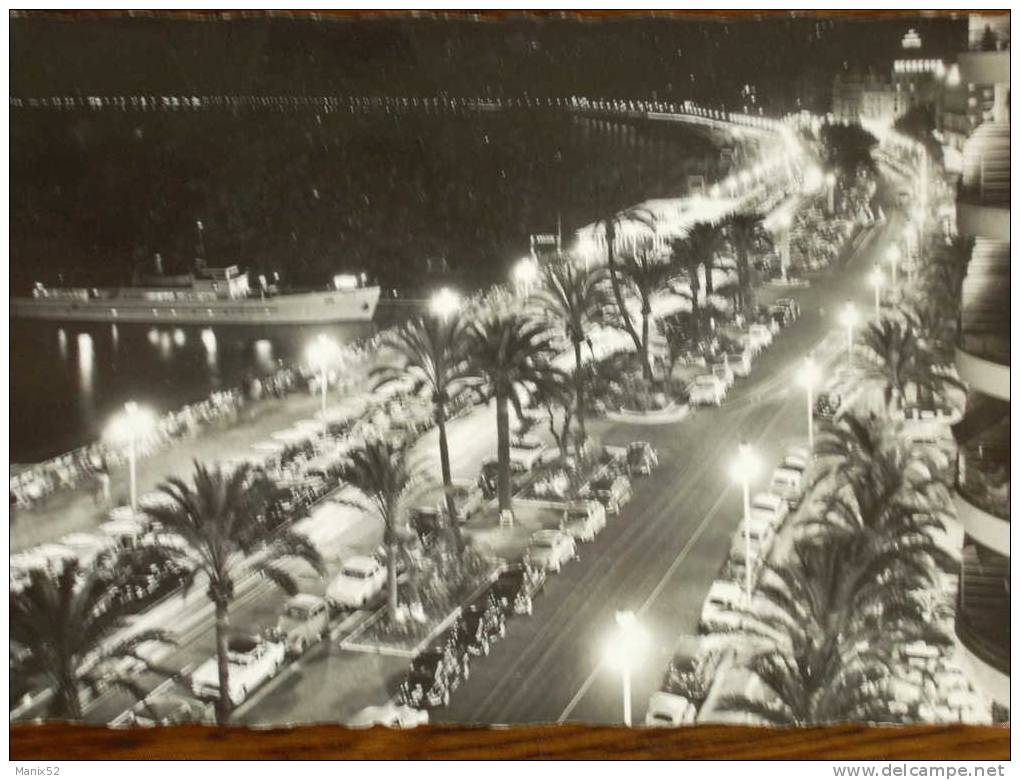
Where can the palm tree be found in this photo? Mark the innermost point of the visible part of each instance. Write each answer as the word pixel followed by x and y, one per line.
pixel 689 253
pixel 71 624
pixel 433 355
pixel 574 298
pixel 379 469
pixel 509 351
pixel 748 237
pixel 828 624
pixel 705 241
pixel 609 222
pixel 945 273
pixel 218 531
pixel 894 360
pixel 646 273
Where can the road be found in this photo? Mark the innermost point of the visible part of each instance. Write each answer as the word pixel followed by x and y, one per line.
pixel 658 558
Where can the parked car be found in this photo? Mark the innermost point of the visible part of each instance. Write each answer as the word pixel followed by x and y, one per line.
pixel 757 535
pixel 769 508
pixel 360 580
pixel 305 620
pixel 528 452
pixel 760 335
pixel 666 710
pixel 612 492
pixel 489 476
pixel 468 498
pixel 795 462
pixel 750 346
pixel 583 520
pixel 717 612
pixel 252 661
pixel 788 485
pixel 706 390
pixel 517 586
pixel 169 710
pixel 391 715
pixel 780 316
pixel 550 549
pixel 739 363
pixel 642 458
pixel 791 306
pixel 614 461
pixel 724 373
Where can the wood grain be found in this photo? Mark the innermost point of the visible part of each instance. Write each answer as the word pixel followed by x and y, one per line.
pixel 58 742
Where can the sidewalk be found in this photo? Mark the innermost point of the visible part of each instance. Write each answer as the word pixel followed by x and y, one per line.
pixel 77 510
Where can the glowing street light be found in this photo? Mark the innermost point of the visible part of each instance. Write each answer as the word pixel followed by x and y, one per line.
pixel 623 652
pixel 808 377
pixel 893 255
pixel 813 179
pixel 830 183
pixel 130 426
pixel 849 318
pixel 526 272
pixel 877 280
pixel 743 470
pixel 321 353
pixel 445 303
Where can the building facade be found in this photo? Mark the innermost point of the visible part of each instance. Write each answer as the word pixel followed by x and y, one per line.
pixel 982 360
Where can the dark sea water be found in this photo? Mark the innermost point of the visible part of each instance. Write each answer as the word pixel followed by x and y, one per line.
pixel 380 193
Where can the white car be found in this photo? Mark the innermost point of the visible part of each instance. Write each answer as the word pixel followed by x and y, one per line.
pixel 394 716
pixel 360 580
pixel 717 612
pixel 706 390
pixel 769 508
pixel 739 363
pixel 787 483
pixel 757 535
pixel 527 452
pixel 583 520
pixel 724 373
pixel 669 709
pixel 549 549
pixel 251 662
pixel 760 335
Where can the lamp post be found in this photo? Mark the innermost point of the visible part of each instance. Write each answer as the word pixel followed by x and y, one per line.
pixel 744 467
pixel 320 353
pixel 876 279
pixel 849 319
pixel 525 273
pixel 444 303
pixel 830 182
pixel 129 426
pixel 808 377
pixel 628 642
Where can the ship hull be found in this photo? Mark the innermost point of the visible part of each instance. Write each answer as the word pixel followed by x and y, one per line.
pixel 355 306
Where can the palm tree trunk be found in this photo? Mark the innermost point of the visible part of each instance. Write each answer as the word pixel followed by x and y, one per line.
pixel 646 315
pixel 444 463
pixel 223 703
pixel 391 579
pixel 695 308
pixel 503 452
pixel 614 280
pixel 582 434
pixel 709 283
pixel 68 697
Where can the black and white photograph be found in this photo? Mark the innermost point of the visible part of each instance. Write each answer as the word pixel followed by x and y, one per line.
pixel 504 369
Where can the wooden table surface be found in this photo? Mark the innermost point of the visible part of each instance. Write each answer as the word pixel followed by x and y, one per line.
pixel 53 742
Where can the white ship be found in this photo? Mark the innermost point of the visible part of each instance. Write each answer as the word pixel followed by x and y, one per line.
pixel 207 296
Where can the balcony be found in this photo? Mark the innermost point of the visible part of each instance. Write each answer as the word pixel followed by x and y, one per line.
pixel 983 618
pixel 982 472
pixel 984 190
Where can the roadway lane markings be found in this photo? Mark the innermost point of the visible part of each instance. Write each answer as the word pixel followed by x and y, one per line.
pixel 660 586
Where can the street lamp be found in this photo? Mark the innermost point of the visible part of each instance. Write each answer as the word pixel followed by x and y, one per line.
pixel 849 318
pixel 131 425
pixel 526 272
pixel 444 303
pixel 321 353
pixel 808 377
pixel 877 280
pixel 893 256
pixel 745 465
pixel 624 648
